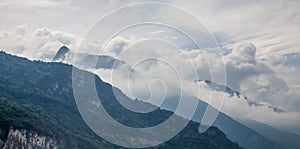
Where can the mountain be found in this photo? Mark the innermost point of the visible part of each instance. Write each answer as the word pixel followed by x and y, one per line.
pixel 284 139
pixel 61 53
pixel 234 130
pixel 38 110
pixel 87 61
pixel 21 136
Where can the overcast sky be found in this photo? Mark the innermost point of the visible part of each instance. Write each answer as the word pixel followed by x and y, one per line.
pixel 261 37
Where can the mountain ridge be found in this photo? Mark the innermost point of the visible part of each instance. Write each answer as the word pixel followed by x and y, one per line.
pixel 86 61
pixel 289 141
pixel 232 93
pixel 237 136
pixel 44 90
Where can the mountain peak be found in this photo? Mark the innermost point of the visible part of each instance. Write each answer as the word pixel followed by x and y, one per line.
pixel 61 53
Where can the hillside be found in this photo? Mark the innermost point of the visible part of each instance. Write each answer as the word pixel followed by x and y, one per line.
pixel 37 97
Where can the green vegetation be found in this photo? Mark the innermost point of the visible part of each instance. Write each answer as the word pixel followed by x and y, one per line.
pixel 38 96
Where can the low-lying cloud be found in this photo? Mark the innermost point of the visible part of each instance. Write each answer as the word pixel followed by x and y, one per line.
pixel 248 73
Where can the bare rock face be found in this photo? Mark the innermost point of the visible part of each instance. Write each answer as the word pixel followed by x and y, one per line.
pixel 18 139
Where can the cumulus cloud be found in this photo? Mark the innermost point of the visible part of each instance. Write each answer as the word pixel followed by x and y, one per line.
pixel 252 76
pixel 41 44
pixel 240 64
pixel 245 72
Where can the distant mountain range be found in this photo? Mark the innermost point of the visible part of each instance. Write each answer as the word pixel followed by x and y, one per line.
pixel 38 110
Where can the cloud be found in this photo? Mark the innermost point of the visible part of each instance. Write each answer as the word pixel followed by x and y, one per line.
pixel 271 25
pixel 157 32
pixel 239 109
pixel 252 76
pixel 29 3
pixel 41 44
pixel 117 45
pixel 246 73
pixel 244 53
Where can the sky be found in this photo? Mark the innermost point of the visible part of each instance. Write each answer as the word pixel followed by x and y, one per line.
pixel 258 40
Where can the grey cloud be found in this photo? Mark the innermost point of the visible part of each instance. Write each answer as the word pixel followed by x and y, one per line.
pixel 241 64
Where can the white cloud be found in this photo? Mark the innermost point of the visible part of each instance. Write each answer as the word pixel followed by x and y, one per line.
pixel 41 44
pixel 250 75
pixel 29 3
pixel 269 24
pixel 157 32
pixel 239 109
